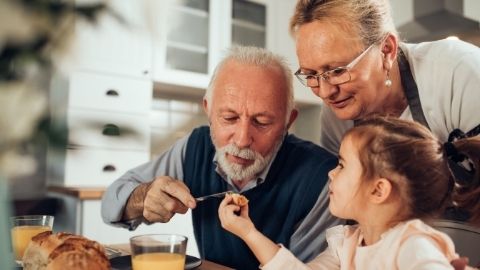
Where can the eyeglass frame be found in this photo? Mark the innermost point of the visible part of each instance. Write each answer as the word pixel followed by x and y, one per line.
pixel 324 75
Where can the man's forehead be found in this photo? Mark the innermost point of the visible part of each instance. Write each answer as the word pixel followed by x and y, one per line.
pixel 249 101
pixel 250 82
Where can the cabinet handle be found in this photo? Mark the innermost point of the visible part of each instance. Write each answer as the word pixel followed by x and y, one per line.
pixel 111 130
pixel 112 93
pixel 109 168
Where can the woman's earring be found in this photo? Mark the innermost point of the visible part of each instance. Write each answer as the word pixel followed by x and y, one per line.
pixel 388 82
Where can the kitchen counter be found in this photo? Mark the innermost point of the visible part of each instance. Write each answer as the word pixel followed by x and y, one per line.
pixel 82 193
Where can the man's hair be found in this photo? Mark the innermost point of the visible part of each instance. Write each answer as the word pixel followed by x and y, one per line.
pixel 258 57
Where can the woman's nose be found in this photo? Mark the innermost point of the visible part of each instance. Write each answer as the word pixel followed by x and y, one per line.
pixel 325 90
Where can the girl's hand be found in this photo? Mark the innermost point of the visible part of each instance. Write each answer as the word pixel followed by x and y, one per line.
pixel 239 224
pixel 242 226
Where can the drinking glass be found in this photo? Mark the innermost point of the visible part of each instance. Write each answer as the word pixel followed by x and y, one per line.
pixel 158 252
pixel 26 227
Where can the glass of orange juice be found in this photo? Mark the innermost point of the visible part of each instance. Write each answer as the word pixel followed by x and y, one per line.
pixel 158 252
pixel 26 227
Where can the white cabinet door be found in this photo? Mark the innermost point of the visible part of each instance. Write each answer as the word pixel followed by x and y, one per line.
pixel 95 167
pixel 109 130
pixel 194 35
pixel 114 46
pixel 92 91
pixel 188 41
pixel 250 22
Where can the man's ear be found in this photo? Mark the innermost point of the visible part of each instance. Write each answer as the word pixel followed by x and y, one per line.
pixel 389 50
pixel 293 116
pixel 380 191
pixel 205 106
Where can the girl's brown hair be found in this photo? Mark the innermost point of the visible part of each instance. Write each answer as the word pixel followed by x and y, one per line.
pixel 416 163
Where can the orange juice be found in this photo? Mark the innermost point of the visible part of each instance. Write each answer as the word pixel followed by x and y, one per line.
pixel 158 261
pixel 21 236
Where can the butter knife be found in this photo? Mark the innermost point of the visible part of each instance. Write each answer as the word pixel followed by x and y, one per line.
pixel 216 195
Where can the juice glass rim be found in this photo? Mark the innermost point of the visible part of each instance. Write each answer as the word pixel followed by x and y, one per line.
pixel 31 217
pixel 179 237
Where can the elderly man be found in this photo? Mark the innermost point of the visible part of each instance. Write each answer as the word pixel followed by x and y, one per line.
pixel 246 149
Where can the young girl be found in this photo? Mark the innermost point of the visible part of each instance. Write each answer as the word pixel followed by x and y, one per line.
pixel 391 175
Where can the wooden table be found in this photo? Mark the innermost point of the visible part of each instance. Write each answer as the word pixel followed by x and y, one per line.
pixel 206 265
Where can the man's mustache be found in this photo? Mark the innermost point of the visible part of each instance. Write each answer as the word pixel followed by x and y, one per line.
pixel 245 153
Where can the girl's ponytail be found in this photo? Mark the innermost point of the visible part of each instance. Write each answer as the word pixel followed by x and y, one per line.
pixel 464 163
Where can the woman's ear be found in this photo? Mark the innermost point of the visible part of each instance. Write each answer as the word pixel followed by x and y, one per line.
pixel 381 190
pixel 389 50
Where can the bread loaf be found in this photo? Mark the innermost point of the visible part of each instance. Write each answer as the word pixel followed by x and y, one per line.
pixel 48 251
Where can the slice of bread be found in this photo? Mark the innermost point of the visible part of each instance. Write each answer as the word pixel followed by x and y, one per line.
pixel 239 199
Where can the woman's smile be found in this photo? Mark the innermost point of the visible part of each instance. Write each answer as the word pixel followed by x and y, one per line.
pixel 339 104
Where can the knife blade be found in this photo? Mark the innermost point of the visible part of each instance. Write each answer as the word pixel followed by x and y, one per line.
pixel 216 195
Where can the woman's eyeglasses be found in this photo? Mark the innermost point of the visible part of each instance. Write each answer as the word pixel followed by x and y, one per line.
pixel 334 76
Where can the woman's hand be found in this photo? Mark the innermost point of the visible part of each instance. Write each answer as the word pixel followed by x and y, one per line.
pixel 233 221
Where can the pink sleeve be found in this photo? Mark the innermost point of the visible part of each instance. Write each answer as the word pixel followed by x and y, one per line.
pixel 285 260
pixel 421 252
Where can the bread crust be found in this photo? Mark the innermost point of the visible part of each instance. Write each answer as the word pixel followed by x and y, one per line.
pixel 64 251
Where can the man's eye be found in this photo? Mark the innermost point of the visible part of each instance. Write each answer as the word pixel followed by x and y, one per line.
pixel 229 118
pixel 260 123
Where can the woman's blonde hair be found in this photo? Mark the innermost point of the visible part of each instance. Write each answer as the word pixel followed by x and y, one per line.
pixel 371 19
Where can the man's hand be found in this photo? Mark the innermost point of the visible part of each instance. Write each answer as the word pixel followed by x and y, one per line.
pixel 159 200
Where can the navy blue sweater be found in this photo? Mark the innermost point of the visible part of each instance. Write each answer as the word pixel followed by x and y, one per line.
pixel 291 188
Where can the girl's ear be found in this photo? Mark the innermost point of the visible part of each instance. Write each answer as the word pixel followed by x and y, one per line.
pixel 380 191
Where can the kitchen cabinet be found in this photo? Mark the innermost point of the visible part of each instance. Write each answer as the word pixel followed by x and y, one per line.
pixel 193 36
pixel 118 44
pixel 249 23
pixel 102 103
pixel 106 122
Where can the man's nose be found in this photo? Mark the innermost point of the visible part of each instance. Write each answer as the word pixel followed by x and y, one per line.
pixel 243 135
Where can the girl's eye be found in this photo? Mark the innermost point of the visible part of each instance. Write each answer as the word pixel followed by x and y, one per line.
pixel 340 165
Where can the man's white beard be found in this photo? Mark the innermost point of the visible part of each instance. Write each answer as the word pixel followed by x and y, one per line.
pixel 240 172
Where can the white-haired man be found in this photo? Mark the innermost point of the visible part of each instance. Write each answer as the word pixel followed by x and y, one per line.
pixel 246 149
